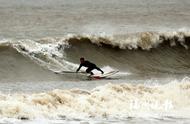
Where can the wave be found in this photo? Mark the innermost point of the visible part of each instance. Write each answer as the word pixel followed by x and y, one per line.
pixel 26 61
pixel 108 101
pixel 142 40
pixel 140 53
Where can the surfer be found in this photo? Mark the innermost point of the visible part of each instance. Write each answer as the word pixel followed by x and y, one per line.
pixel 90 66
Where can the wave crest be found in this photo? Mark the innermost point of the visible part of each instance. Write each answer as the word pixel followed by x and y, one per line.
pixel 143 40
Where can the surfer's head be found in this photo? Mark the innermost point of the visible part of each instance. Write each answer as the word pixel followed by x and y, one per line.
pixel 81 59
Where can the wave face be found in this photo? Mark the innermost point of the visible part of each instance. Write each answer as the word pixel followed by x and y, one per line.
pixel 146 52
pixel 26 61
pixel 140 53
pixel 109 101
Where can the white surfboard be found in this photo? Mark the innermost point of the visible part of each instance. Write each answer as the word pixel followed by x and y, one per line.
pixel 95 76
pixel 69 72
pixel 100 76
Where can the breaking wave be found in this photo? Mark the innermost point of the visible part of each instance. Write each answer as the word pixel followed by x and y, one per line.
pixel 140 53
pixel 143 40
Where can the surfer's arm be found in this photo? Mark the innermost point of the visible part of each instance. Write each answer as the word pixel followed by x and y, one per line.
pixel 79 67
pixel 99 70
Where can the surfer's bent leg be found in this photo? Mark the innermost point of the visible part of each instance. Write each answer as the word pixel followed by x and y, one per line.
pixel 89 70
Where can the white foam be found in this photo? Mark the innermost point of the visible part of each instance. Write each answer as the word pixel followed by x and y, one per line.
pixel 108 101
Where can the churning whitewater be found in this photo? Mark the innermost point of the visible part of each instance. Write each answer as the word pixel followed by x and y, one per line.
pixel 108 101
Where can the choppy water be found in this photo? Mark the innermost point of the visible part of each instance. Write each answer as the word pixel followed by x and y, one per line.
pixel 147 41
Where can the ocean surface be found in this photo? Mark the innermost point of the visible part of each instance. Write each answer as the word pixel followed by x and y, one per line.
pixel 146 40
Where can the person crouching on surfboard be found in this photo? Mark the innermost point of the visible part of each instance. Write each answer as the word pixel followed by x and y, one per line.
pixel 90 66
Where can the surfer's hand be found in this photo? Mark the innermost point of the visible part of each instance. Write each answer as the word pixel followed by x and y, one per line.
pixel 77 70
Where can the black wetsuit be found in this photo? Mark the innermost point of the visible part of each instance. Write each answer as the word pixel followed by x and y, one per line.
pixel 90 66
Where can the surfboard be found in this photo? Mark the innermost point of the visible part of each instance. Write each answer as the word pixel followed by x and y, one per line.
pixel 95 76
pixel 105 75
pixel 68 72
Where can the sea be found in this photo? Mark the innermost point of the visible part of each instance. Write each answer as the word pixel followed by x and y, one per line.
pixel 147 41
